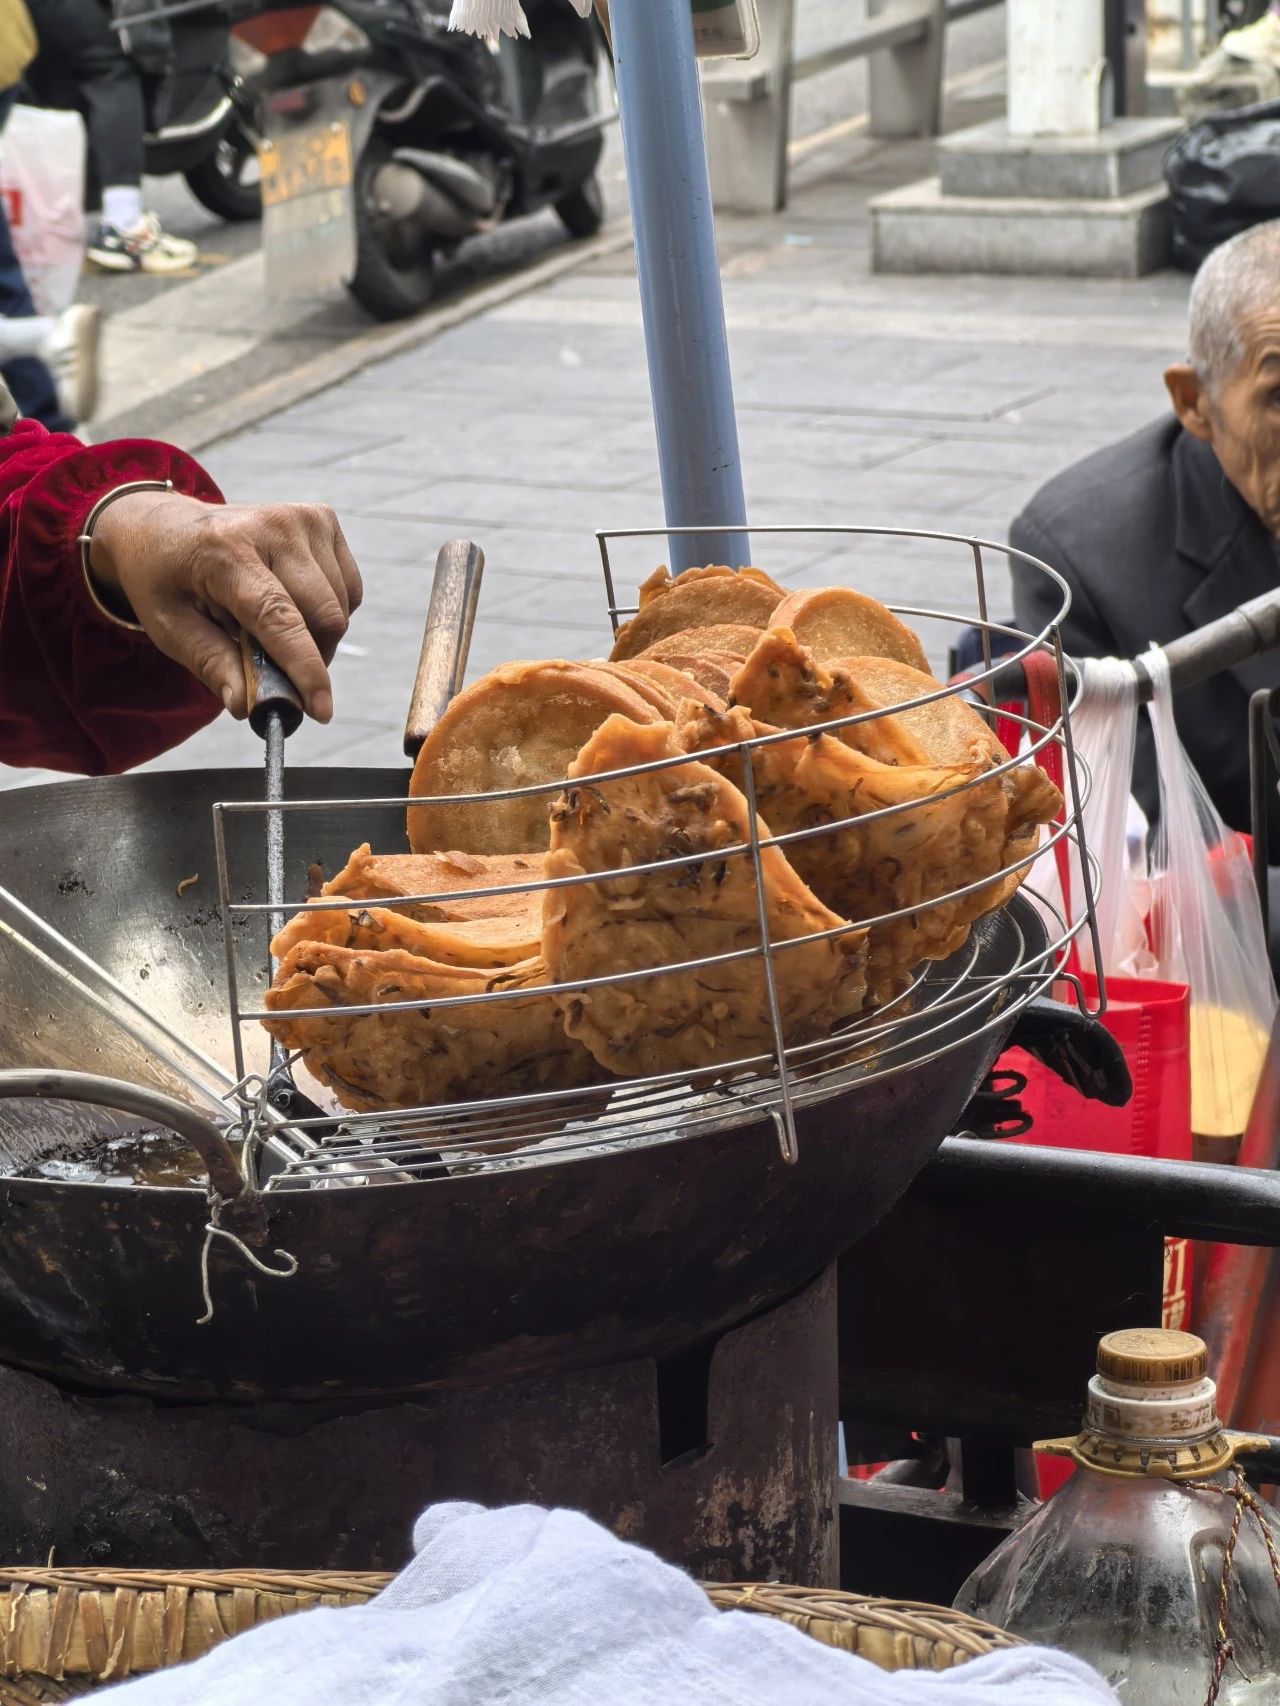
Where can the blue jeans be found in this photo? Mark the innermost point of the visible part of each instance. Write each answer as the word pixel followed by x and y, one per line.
pixel 29 380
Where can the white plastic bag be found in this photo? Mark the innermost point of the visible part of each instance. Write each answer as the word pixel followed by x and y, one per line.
pixel 1104 729
pixel 1206 925
pixel 42 162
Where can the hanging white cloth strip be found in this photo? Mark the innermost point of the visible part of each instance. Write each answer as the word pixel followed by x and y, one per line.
pixel 498 17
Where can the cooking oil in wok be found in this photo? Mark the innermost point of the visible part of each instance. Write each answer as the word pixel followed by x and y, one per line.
pixel 70 1147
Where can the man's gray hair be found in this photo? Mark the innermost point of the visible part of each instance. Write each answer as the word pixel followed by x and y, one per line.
pixel 1239 278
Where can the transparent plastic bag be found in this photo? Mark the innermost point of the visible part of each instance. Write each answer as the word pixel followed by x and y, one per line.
pixel 42 181
pixel 1104 730
pixel 1207 932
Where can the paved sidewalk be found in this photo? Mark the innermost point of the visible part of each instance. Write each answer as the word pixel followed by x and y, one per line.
pixel 919 403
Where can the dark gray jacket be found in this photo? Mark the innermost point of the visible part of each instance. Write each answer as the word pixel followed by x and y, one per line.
pixel 1154 541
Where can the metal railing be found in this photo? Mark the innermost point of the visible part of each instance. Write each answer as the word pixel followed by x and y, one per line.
pixel 748 104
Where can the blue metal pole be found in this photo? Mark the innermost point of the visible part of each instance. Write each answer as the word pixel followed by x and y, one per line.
pixel 680 298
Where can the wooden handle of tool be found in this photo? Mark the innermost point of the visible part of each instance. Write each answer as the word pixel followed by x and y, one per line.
pixel 270 690
pixel 455 592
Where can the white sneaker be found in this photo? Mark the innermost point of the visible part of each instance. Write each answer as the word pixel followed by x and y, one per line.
pixel 146 248
pixel 1255 44
pixel 71 354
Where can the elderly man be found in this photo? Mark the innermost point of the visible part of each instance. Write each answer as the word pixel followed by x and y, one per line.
pixel 123 579
pixel 1181 523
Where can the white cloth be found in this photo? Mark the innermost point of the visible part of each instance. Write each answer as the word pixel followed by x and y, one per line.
pixel 498 17
pixel 545 1608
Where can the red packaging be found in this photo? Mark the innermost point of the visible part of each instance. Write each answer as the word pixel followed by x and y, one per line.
pixel 1151 1022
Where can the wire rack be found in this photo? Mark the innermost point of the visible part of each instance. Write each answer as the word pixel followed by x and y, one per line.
pixel 1011 957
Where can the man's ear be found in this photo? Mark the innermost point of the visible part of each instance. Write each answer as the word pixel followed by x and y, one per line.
pixel 1190 400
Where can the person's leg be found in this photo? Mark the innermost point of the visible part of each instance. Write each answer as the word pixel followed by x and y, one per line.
pixel 30 382
pixel 77 34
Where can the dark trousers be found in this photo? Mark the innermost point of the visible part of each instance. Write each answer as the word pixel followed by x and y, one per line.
pixel 29 380
pixel 77 35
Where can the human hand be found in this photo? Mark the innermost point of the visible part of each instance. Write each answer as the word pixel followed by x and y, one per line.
pixel 195 574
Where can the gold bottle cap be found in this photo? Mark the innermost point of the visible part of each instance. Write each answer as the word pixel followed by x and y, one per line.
pixel 1152 1356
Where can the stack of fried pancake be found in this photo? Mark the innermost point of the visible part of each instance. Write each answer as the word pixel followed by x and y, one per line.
pixel 895 837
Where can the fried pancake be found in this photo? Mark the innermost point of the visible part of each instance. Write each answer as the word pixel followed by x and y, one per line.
pixel 389 876
pixel 426 1057
pixel 836 622
pixel 941 836
pixel 517 726
pixel 484 944
pixel 950 731
pixel 712 671
pixel 785 687
pixel 681 1020
pixel 674 683
pixel 699 598
pixel 733 639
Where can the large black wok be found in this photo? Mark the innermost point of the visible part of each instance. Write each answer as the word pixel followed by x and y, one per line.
pixel 399 1286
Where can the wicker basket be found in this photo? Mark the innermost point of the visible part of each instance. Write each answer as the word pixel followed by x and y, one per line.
pixel 62 1632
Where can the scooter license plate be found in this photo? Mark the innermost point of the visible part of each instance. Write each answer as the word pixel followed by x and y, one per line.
pixel 308 207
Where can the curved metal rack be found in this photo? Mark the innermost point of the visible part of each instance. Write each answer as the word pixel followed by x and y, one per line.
pixel 946 1003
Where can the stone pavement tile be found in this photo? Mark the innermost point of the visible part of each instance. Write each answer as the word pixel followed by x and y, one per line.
pixel 594 462
pixel 275 446
pixel 349 491
pixel 1020 458
pixel 485 503
pixel 1111 414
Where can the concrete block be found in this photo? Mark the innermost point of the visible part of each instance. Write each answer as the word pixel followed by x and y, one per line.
pixel 986 161
pixel 919 230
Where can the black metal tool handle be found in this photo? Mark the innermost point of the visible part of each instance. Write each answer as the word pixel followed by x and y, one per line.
pixel 446 643
pixel 271 693
pixel 1241 634
pixel 43 1084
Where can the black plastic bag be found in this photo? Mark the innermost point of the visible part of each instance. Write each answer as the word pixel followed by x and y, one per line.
pixel 1223 176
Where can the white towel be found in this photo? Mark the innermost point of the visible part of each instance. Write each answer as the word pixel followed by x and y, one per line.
pixel 498 17
pixel 528 1607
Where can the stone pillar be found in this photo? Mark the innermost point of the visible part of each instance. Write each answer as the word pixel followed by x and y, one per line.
pixel 1059 84
pixel 1058 186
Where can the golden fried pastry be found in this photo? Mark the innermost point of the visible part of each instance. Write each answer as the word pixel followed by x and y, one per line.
pixel 732 639
pixel 421 1057
pixel 676 685
pixel 712 671
pixel 836 622
pixel 785 687
pixel 699 598
pixel 482 944
pixel 942 836
pixel 950 731
pixel 681 1020
pixel 389 876
pixel 517 726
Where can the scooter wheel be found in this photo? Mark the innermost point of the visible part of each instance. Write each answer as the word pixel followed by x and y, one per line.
pixel 582 210
pixel 226 180
pixel 394 276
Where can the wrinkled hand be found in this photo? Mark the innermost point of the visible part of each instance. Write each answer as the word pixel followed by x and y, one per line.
pixel 194 574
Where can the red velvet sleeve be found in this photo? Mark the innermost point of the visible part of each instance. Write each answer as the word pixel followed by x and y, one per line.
pixel 77 691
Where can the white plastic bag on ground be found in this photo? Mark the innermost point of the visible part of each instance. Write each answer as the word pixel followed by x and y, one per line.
pixel 42 163
pixel 1207 931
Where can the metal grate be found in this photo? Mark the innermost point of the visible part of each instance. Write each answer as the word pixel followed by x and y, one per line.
pixel 1012 956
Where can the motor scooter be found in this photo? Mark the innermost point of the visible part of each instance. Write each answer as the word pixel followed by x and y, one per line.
pixel 386 140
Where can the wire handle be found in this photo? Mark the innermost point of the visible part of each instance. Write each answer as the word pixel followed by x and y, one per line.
pixel 270 691
pixel 446 642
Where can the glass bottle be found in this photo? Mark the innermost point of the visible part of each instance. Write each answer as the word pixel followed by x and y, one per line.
pixel 1123 1566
